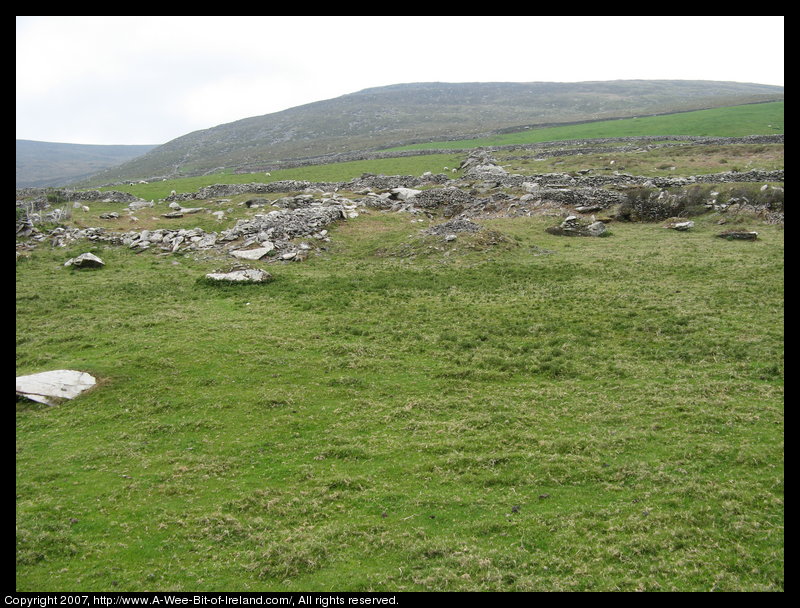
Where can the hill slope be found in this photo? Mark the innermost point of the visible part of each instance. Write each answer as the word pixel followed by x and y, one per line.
pixel 408 113
pixel 43 163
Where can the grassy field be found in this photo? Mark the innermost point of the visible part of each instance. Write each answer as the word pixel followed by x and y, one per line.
pixel 736 121
pixel 331 172
pixel 530 412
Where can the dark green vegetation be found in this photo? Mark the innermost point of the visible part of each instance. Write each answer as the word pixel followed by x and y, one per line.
pixel 43 164
pixel 422 112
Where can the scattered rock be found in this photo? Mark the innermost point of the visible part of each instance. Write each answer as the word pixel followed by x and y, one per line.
pixel 48 387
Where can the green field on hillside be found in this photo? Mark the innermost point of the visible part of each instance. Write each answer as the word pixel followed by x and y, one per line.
pixel 524 413
pixel 736 121
pixel 329 172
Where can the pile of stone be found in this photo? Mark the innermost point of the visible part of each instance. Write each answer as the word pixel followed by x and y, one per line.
pixel 453 227
pixel 285 224
pixel 447 197
pixel 583 199
pixel 271 235
pixel 480 164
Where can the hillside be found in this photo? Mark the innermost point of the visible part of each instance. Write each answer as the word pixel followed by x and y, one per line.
pixel 408 113
pixel 43 163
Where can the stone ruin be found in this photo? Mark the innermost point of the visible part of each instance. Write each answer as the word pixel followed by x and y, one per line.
pixel 483 192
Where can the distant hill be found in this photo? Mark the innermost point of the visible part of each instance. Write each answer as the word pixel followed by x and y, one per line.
pixel 409 113
pixel 43 164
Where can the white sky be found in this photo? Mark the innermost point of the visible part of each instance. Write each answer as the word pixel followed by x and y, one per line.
pixel 148 80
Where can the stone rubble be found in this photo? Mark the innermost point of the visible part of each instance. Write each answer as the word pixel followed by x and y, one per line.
pixel 307 209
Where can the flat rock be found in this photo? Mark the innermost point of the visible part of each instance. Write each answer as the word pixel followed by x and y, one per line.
pixel 244 275
pixel 253 254
pixel 47 387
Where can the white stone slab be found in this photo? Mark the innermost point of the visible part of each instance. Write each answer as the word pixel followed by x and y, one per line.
pixel 56 384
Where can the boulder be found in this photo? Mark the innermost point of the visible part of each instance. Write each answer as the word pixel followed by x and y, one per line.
pixel 404 194
pixel 48 387
pixel 85 260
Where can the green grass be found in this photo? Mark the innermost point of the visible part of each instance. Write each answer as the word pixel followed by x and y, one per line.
pixel 539 414
pixel 736 121
pixel 330 172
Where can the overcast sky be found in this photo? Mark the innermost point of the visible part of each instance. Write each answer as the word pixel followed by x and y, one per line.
pixel 148 80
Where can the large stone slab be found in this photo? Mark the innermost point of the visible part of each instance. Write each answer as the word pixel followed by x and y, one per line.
pixel 243 275
pixel 254 254
pixel 48 387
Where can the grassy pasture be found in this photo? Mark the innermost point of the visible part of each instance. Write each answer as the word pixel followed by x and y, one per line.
pixel 332 172
pixel 509 411
pixel 401 413
pixel 735 121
